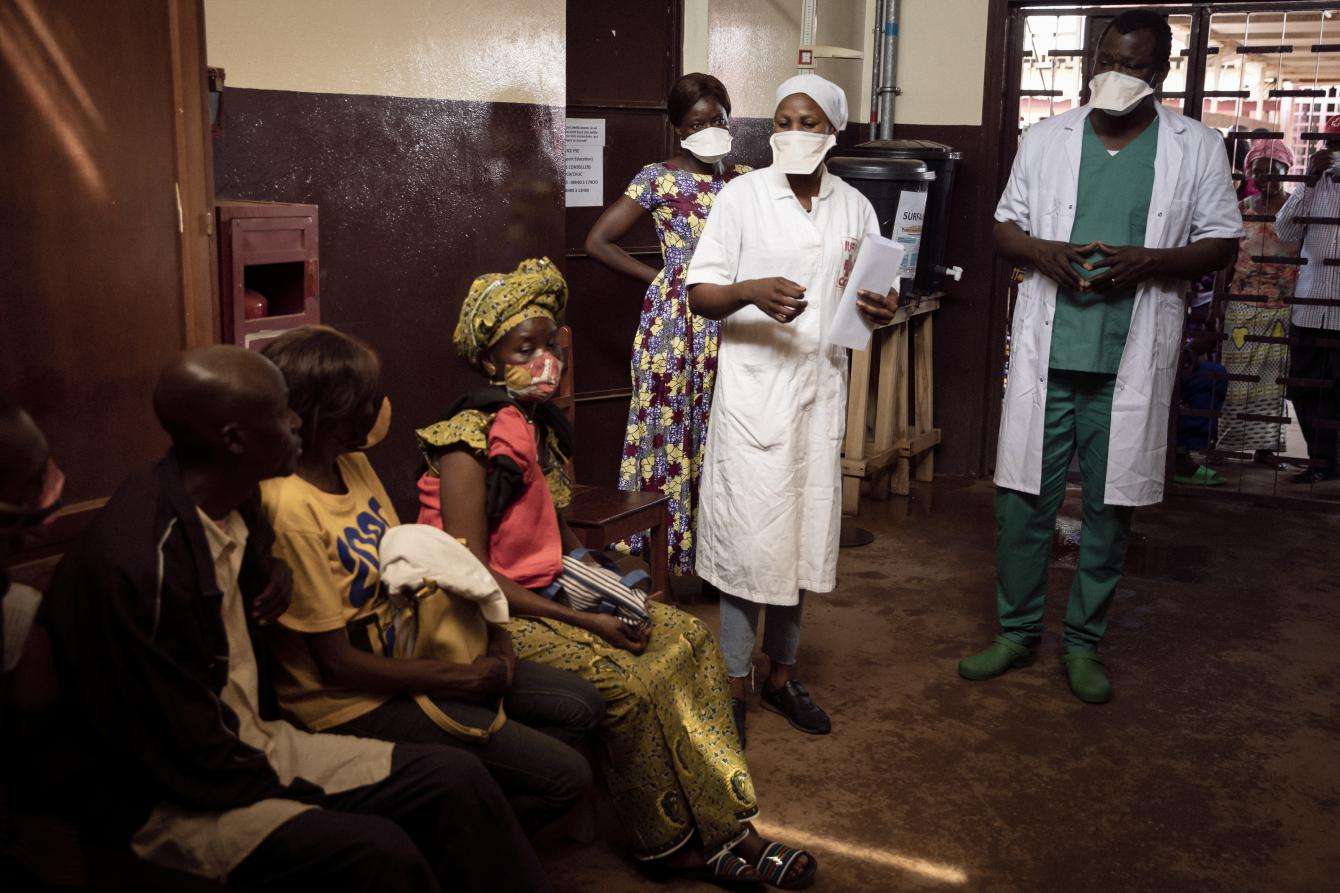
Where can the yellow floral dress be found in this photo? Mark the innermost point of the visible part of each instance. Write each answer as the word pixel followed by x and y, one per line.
pixel 674 357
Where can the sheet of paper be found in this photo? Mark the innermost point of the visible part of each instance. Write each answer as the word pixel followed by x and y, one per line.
pixel 876 269
pixel 584 145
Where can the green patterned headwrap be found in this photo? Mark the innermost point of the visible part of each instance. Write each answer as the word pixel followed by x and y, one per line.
pixel 499 302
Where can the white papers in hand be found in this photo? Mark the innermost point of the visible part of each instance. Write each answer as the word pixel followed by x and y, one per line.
pixel 875 269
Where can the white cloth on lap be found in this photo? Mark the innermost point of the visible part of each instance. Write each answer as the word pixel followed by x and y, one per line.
pixel 413 554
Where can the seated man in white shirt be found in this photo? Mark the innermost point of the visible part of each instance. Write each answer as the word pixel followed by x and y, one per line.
pixel 154 617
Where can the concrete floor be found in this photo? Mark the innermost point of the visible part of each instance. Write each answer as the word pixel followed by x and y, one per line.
pixel 1215 767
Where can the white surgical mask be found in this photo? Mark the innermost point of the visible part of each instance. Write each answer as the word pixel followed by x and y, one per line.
pixel 800 151
pixel 1117 93
pixel 709 145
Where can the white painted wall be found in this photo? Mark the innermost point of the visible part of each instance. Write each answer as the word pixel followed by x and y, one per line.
pixel 751 46
pixel 483 50
pixel 941 61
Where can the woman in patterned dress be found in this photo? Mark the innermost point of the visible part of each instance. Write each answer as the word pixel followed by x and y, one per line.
pixel 494 478
pixel 674 351
pixel 1268 315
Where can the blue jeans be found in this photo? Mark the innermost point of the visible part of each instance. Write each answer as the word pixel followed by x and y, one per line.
pixel 739 630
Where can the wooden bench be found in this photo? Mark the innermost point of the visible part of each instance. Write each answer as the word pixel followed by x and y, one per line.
pixel 603 515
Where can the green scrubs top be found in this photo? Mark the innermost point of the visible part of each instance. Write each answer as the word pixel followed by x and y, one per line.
pixel 1089 330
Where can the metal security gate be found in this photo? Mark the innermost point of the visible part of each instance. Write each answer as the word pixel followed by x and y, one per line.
pixel 1255 72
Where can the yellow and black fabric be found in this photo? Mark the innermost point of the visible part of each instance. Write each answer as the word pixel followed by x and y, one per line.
pixel 499 302
pixel 466 425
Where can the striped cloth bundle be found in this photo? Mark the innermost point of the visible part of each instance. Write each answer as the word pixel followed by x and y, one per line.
pixel 600 588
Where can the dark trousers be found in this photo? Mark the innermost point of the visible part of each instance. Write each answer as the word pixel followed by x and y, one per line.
pixel 439 822
pixel 1200 390
pixel 1308 359
pixel 531 756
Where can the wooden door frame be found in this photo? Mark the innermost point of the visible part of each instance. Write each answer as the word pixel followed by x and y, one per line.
pixel 197 252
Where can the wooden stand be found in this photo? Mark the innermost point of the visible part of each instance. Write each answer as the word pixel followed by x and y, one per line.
pixel 886 460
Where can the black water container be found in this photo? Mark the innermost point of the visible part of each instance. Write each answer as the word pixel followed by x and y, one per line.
pixel 884 181
pixel 942 161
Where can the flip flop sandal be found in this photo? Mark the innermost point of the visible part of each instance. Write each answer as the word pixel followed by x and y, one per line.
pixel 1204 477
pixel 777 860
pixel 726 868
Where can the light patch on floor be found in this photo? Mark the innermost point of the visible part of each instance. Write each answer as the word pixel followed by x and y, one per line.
pixel 796 837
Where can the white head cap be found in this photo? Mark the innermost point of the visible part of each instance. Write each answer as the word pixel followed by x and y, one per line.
pixel 827 94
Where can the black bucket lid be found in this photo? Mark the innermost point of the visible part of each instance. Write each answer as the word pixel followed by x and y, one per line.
pixel 928 149
pixel 907 170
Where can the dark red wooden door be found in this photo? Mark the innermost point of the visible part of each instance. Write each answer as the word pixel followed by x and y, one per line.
pixel 622 60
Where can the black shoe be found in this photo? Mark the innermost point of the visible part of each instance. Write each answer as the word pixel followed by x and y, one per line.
pixel 793 702
pixel 1315 475
pixel 738 711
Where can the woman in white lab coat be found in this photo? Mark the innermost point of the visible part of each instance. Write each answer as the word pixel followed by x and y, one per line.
pixel 769 264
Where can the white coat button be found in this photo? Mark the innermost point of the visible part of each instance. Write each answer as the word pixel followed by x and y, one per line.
pixel 1160 213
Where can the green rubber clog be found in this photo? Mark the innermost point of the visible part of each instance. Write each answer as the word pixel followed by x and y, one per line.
pixel 1003 655
pixel 1087 679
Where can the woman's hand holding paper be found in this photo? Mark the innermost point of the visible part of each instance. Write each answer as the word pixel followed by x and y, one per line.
pixel 876 308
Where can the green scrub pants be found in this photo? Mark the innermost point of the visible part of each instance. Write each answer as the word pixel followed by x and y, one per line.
pixel 1078 417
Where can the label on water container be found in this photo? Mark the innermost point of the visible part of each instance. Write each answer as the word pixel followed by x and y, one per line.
pixel 907 225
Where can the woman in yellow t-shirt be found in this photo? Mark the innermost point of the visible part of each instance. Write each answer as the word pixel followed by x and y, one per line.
pixel 329 518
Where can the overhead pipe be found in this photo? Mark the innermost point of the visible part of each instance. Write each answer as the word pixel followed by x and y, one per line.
pixel 888 68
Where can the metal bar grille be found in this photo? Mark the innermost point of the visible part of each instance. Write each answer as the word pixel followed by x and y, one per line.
pixel 1274 178
pixel 1227 94
pixel 1286 460
pixel 1244 135
pixel 1301 92
pixel 1041 93
pixel 1264 50
pixel 1234 376
pixel 1279 259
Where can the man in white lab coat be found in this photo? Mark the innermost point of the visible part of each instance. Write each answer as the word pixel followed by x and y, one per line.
pixel 1114 206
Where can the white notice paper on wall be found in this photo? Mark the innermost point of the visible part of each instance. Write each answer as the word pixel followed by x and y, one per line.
pixel 876 269
pixel 584 146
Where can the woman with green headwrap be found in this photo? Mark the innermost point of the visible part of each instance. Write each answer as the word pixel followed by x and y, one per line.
pixel 671 755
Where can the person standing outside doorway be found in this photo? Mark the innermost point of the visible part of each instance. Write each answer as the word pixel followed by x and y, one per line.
pixel 1114 206
pixel 1314 356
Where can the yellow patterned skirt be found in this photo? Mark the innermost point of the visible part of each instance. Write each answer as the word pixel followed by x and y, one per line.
pixel 672 758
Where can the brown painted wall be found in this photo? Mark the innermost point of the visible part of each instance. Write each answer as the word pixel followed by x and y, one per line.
pixel 417 197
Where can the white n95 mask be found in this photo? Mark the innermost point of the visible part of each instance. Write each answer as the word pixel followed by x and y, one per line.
pixel 709 145
pixel 800 151
pixel 1117 93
